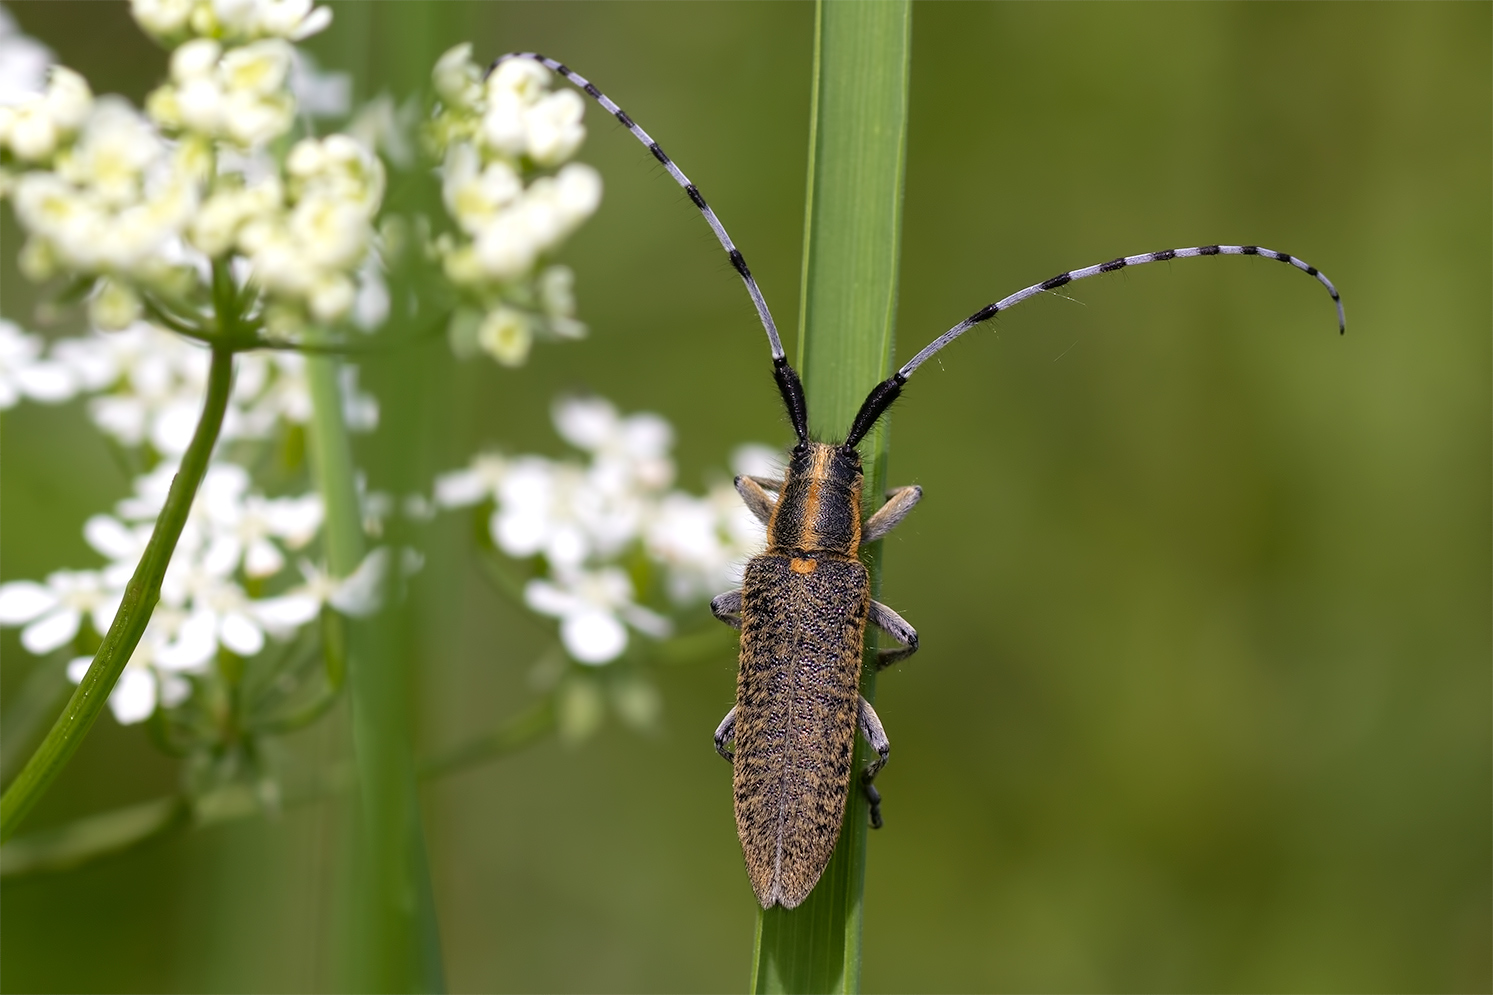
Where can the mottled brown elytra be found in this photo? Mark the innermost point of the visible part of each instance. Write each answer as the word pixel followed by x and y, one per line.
pixel 804 603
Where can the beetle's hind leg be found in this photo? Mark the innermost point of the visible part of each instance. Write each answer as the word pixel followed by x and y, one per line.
pixel 898 503
pixel 895 626
pixel 876 737
pixel 727 608
pixel 725 733
pixel 753 491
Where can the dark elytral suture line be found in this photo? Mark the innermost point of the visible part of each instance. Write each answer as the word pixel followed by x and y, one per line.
pixel 886 392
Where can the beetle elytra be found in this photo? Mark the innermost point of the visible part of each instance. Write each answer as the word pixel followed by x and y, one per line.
pixel 805 602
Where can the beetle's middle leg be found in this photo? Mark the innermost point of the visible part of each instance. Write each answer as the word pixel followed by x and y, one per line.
pixel 895 626
pixel 876 737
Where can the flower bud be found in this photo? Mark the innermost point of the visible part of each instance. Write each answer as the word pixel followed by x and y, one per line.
pixel 114 307
pixel 554 127
pixel 523 79
pixel 33 136
pixel 161 17
pixel 260 68
pixel 455 76
pixel 194 60
pixel 332 298
pixel 68 99
pixel 38 260
pixel 505 335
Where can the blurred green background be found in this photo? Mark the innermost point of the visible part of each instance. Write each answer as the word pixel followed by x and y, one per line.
pixel 1204 695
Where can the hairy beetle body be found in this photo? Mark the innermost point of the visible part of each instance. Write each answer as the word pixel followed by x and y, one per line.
pixel 804 605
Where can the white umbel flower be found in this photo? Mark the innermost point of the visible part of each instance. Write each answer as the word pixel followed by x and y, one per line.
pixel 592 606
pixel 52 613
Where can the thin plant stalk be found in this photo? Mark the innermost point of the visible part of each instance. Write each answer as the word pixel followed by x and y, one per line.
pixel 393 941
pixel 852 245
pixel 129 623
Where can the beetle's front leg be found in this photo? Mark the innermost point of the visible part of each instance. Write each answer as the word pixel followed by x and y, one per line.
pixel 727 608
pixel 898 503
pixel 895 626
pixel 756 498
pixel 876 737
pixel 725 733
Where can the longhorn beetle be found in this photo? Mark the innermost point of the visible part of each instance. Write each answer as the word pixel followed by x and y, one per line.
pixel 804 604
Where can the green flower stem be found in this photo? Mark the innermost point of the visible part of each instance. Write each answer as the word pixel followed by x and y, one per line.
pixel 852 243
pixel 140 599
pixel 394 938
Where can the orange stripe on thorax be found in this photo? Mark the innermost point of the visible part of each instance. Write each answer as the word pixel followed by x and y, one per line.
pixel 817 471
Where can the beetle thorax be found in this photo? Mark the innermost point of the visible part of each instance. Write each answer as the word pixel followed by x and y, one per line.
pixel 819 508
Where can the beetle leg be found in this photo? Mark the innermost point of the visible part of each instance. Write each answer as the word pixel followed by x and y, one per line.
pixel 898 503
pixel 895 626
pixel 727 608
pixel 876 736
pixel 725 733
pixel 758 501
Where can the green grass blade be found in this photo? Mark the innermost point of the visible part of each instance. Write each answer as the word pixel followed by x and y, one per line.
pixel 394 942
pixel 852 240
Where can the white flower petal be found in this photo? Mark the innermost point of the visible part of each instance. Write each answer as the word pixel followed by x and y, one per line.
pixel 757 460
pixel 48 382
pixel 112 538
pixel 51 631
pixel 519 534
pixel 23 600
pixel 240 634
pixel 134 697
pixel 194 645
pixel 547 599
pixel 461 488
pixel 585 422
pixel 287 613
pixel 77 668
pixel 262 559
pixel 593 637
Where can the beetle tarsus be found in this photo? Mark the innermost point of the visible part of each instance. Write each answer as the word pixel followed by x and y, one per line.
pixel 873 797
pixel 725 733
pixel 876 737
pixel 727 608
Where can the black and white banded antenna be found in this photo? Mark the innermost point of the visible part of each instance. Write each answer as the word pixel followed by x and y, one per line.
pixel 882 396
pixel 788 382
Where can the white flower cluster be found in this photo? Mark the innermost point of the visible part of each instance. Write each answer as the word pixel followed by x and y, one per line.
pixel 115 201
pixel 490 136
pixel 148 385
pixel 232 537
pixel 586 521
pixel 240 96
pixel 170 21
pixel 147 202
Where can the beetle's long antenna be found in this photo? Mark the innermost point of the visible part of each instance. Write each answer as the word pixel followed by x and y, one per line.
pixel 886 392
pixel 689 188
